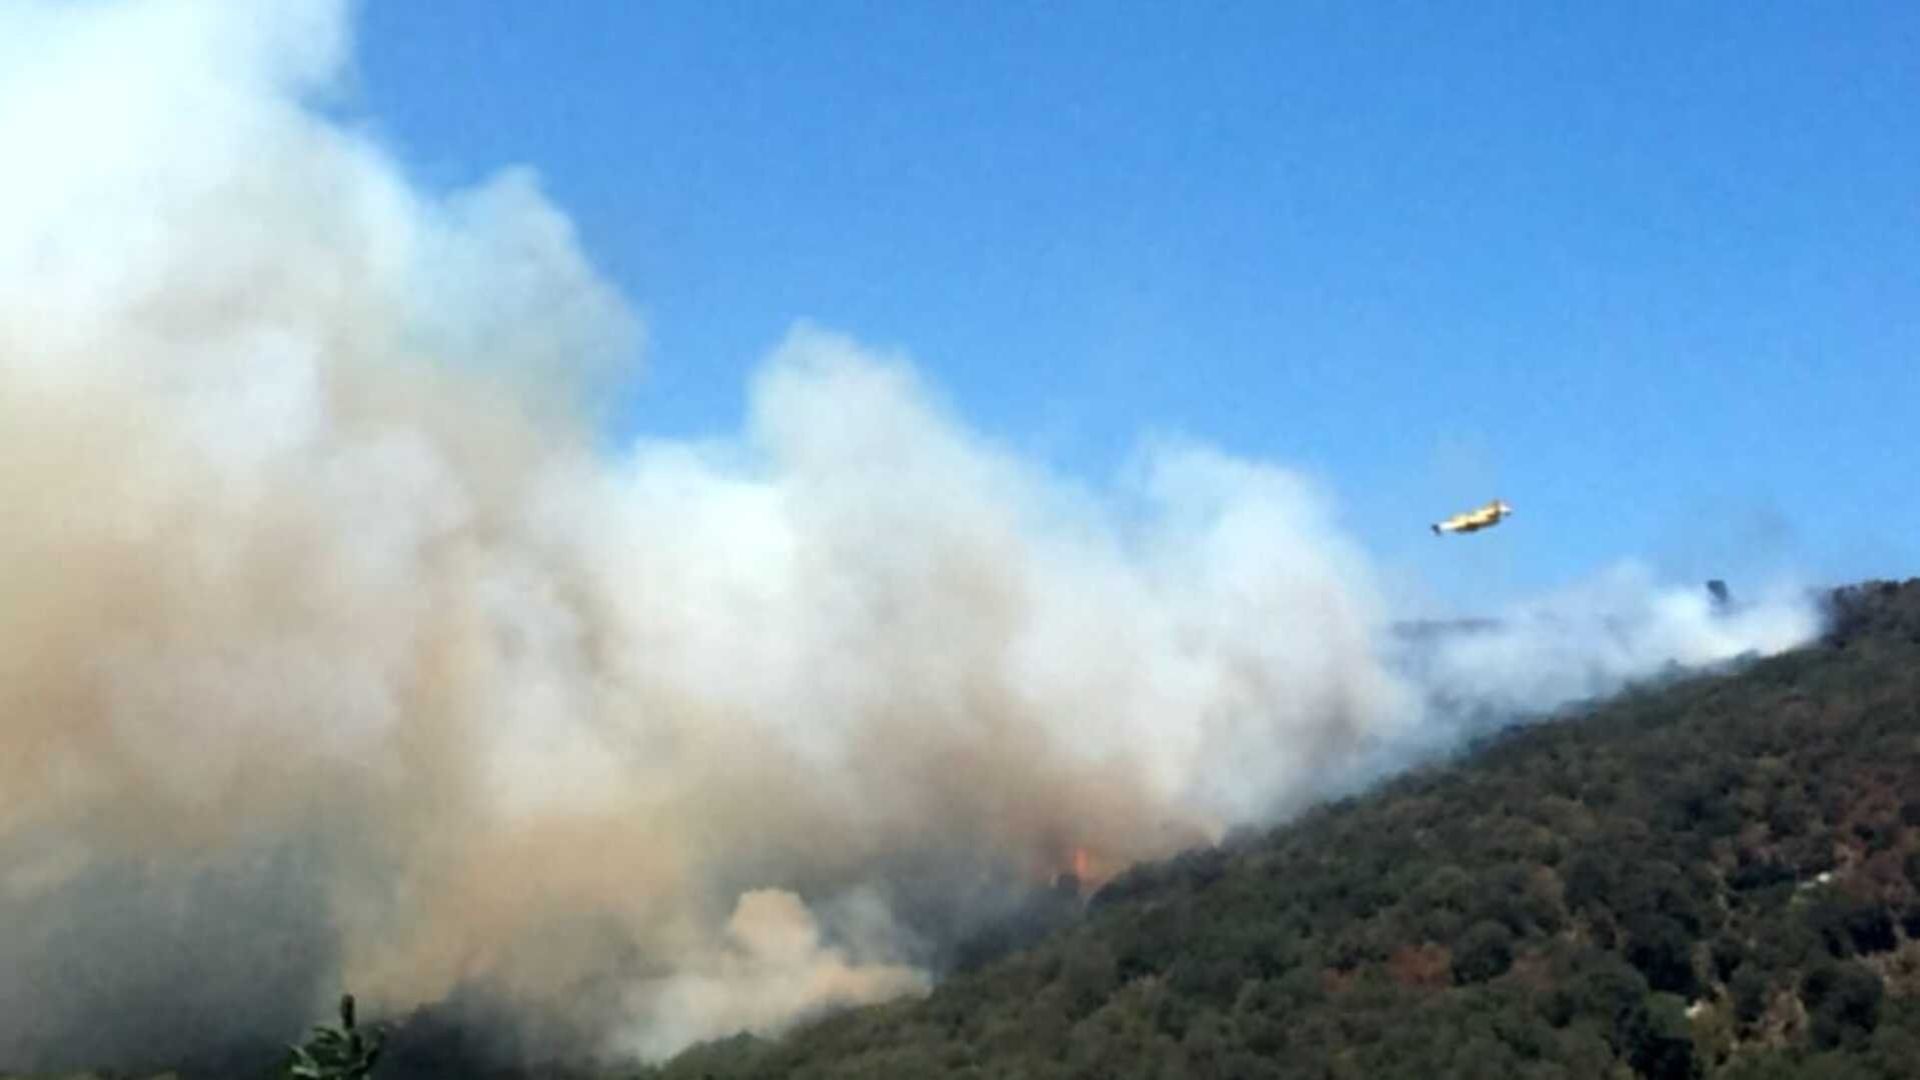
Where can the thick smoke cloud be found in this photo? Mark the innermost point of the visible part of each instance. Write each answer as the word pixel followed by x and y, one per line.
pixel 333 652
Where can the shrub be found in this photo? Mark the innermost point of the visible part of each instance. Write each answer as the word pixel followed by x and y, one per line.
pixel 342 1053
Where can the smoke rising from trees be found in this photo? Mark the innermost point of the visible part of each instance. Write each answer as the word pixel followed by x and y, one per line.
pixel 336 652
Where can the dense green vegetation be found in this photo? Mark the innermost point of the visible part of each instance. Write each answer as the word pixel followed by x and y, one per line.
pixel 1714 878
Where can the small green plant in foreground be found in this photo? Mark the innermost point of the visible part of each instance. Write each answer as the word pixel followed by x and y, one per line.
pixel 336 1053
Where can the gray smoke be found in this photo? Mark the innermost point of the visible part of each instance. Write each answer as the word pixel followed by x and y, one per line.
pixel 333 652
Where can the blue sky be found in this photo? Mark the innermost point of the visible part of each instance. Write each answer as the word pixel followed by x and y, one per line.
pixel 1651 272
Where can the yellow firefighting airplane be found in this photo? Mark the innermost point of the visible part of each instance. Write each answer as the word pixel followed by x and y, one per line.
pixel 1474 520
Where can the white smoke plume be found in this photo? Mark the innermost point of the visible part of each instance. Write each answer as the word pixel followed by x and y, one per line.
pixel 335 653
pixel 1579 644
pixel 1587 641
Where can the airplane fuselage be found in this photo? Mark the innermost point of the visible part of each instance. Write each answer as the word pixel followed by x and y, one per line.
pixel 1474 520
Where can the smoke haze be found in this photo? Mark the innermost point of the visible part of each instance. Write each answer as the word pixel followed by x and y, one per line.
pixel 336 653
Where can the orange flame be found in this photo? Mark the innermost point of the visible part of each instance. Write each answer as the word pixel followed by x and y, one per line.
pixel 1088 869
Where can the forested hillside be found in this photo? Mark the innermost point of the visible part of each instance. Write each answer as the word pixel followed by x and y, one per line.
pixel 1717 877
